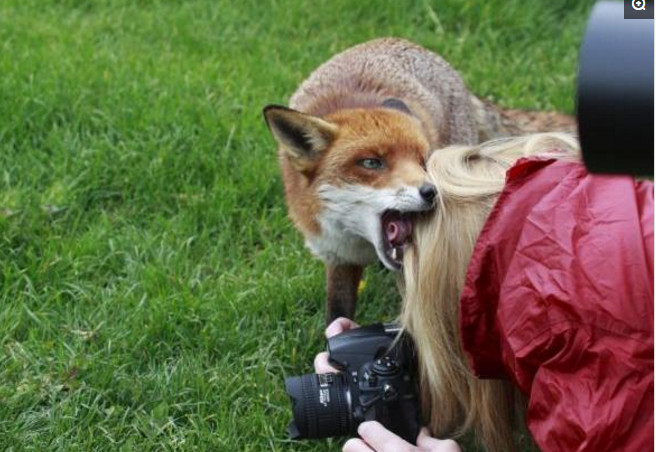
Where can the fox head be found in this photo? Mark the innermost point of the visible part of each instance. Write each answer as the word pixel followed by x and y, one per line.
pixel 358 172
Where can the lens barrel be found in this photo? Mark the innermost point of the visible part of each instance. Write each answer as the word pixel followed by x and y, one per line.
pixel 615 103
pixel 321 406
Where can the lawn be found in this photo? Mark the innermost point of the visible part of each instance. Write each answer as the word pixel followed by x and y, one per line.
pixel 153 294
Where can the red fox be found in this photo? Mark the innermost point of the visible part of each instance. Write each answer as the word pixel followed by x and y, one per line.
pixel 353 146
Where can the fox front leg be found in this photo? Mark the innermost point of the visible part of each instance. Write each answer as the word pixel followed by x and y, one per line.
pixel 342 283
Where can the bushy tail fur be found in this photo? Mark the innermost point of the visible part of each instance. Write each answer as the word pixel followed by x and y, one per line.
pixel 495 122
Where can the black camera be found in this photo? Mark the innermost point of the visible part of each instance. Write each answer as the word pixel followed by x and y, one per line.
pixel 615 103
pixel 378 382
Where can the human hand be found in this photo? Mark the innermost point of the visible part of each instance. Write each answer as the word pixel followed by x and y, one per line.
pixel 376 438
pixel 339 325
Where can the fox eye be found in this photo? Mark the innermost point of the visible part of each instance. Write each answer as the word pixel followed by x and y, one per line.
pixel 371 163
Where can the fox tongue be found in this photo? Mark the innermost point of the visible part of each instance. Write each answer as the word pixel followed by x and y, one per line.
pixel 398 231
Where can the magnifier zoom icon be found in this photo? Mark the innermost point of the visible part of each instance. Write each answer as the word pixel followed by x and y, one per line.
pixel 638 5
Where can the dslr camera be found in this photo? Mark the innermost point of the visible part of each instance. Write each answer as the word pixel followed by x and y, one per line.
pixel 377 382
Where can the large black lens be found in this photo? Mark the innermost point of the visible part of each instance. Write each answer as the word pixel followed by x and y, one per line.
pixel 615 105
pixel 321 406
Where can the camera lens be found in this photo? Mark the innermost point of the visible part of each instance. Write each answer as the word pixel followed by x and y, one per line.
pixel 321 406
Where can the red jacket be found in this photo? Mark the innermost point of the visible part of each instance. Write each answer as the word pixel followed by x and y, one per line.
pixel 559 297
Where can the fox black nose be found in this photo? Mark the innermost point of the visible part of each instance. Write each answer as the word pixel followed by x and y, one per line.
pixel 428 192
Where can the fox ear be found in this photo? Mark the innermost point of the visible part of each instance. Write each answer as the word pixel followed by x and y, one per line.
pixel 303 137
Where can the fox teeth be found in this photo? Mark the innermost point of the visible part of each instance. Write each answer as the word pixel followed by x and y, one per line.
pixel 395 253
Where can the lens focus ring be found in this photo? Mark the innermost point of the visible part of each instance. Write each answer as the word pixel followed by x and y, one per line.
pixel 320 405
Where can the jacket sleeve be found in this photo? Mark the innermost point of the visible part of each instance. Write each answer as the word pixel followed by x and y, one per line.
pixel 576 316
pixel 592 391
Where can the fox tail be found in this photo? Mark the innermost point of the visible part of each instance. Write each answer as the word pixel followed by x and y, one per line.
pixel 494 121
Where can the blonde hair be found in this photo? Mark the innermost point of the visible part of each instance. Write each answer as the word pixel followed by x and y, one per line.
pixel 468 181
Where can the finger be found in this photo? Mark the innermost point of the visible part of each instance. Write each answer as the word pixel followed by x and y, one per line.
pixel 321 364
pixel 339 325
pixel 425 441
pixel 356 445
pixel 382 440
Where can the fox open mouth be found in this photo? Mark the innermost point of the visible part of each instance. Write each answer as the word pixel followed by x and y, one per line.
pixel 397 233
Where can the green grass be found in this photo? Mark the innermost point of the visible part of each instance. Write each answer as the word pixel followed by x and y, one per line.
pixel 153 294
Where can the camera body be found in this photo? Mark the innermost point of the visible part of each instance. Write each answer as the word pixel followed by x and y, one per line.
pixel 377 382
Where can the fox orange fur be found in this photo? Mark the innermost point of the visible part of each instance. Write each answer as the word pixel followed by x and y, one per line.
pixel 353 146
